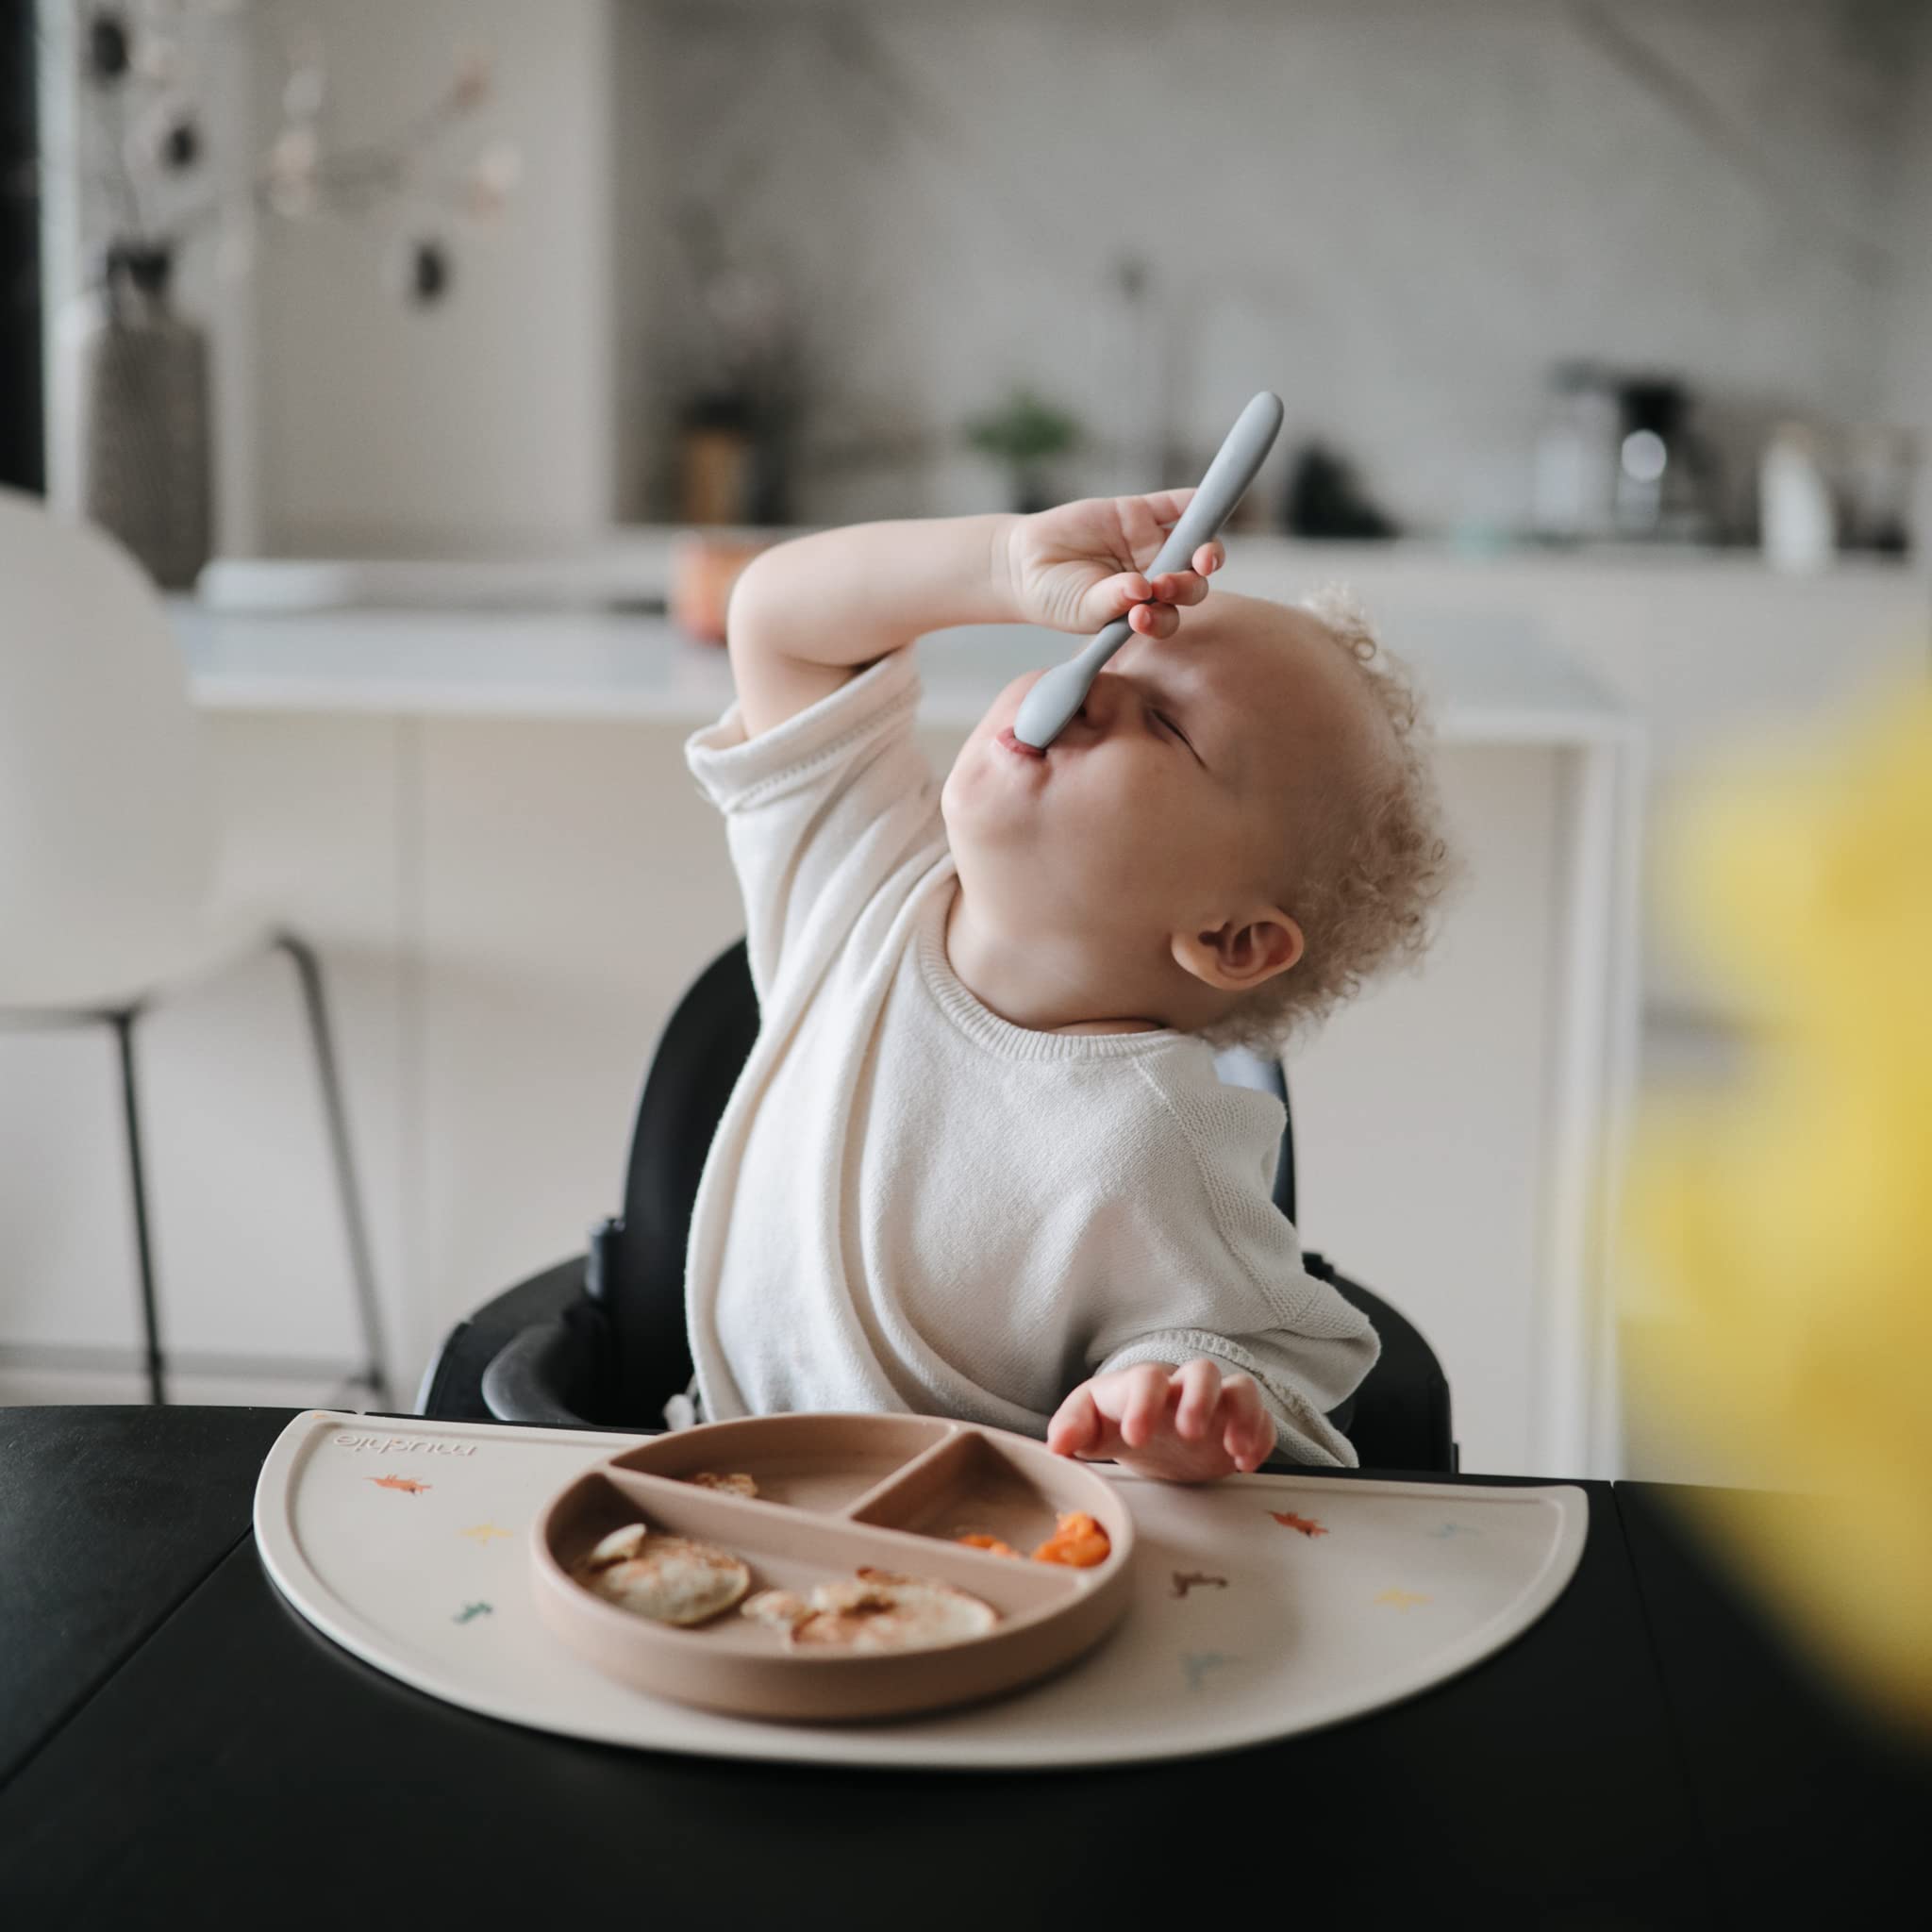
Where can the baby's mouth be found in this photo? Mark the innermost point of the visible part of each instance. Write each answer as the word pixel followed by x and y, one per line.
pixel 1020 746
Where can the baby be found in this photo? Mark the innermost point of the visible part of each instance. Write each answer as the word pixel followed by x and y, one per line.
pixel 979 1163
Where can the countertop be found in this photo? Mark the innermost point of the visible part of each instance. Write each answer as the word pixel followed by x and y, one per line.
pixel 632 563
pixel 1486 681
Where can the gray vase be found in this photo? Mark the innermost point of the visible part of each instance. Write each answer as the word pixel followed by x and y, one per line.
pixel 141 391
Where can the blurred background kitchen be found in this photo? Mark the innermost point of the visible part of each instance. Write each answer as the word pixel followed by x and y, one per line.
pixel 441 360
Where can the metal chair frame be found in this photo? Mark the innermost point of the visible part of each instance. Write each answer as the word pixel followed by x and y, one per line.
pixel 120 1021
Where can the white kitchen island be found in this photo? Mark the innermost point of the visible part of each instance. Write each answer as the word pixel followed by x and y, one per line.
pixel 483 818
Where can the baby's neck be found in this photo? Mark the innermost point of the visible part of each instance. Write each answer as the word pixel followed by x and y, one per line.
pixel 1045 984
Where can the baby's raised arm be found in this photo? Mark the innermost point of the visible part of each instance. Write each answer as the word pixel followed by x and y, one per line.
pixel 806 616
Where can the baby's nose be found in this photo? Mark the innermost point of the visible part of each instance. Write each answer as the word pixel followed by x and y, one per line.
pixel 1101 705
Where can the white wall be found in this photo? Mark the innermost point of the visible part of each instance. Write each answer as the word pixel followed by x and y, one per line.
pixel 1397 211
pixel 1908 365
pixel 487 420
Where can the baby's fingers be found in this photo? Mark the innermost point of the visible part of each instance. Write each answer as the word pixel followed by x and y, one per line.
pixel 1116 597
pixel 1148 518
pixel 1153 620
pixel 1247 1428
pixel 1076 1424
pixel 1198 1386
pixel 1180 586
pixel 1211 556
pixel 1144 1403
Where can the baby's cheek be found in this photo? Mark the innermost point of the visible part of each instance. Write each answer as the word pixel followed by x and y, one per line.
pixel 1104 863
pixel 1148 851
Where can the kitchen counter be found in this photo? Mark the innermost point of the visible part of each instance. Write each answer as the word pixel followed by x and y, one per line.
pixel 1487 682
pixel 631 566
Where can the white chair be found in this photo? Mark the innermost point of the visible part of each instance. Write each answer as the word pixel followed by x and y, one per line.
pixel 108 843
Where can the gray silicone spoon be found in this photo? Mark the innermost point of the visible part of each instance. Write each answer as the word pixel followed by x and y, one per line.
pixel 1053 701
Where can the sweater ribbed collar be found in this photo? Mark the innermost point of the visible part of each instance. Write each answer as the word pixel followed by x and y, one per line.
pixel 984 1027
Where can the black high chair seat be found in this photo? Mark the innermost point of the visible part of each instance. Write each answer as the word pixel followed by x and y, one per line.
pixel 599 1341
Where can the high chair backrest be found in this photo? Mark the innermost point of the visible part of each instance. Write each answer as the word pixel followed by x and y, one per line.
pixel 700 1054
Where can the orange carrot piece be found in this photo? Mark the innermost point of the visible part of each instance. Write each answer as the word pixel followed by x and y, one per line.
pixel 988 1542
pixel 1079 1543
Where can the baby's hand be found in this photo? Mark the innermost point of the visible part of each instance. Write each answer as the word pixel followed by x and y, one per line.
pixel 1185 1425
pixel 1081 566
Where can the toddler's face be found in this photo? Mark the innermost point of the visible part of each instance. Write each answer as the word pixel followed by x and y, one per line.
pixel 1182 795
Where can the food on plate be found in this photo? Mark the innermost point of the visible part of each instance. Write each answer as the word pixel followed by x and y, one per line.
pixel 780 1608
pixel 1078 1542
pixel 978 1541
pixel 670 1579
pixel 615 1547
pixel 738 1485
pixel 876 1611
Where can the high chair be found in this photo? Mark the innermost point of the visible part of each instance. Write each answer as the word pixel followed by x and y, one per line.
pixel 600 1340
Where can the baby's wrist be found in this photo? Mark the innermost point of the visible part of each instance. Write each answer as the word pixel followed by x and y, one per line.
pixel 1002 572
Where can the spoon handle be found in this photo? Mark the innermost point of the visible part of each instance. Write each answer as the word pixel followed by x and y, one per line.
pixel 1056 698
pixel 1225 485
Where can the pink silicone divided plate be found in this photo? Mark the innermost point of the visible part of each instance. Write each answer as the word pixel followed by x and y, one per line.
pixel 837 1493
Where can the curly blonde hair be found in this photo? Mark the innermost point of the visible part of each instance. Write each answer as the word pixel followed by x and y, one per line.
pixel 1366 904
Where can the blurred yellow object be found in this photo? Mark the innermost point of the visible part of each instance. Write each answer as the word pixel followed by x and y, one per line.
pixel 1786 1230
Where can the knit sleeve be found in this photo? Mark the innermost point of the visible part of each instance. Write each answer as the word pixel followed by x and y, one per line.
pixel 1300 1378
pixel 821 811
pixel 1215 1269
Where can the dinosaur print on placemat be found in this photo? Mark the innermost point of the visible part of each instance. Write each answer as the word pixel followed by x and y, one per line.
pixel 407 1484
pixel 1401 1599
pixel 1196 1664
pixel 471 1611
pixel 1306 1525
pixel 1185 1580
pixel 1449 1529
pixel 483 1534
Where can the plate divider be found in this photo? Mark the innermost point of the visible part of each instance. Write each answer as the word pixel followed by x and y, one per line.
pixel 878 1544
pixel 955 1448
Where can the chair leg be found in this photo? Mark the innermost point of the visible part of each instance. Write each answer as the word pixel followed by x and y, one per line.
pixel 122 1024
pixel 308 969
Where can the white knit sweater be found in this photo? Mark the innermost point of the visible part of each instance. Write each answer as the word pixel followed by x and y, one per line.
pixel 913 1205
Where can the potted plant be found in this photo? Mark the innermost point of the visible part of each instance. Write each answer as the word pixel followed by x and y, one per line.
pixel 1026 434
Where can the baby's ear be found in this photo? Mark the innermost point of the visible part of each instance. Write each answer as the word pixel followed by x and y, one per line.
pixel 1241 954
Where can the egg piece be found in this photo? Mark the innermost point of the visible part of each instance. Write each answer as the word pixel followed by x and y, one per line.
pixel 615 1547
pixel 670 1579
pixel 780 1608
pixel 734 1485
pixel 880 1612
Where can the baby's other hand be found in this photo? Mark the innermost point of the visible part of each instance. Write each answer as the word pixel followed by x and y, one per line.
pixel 1081 566
pixel 1190 1424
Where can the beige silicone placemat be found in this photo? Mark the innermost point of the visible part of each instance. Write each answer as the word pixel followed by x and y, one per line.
pixel 1263 1606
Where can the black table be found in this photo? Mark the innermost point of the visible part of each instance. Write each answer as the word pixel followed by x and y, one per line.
pixel 177 1746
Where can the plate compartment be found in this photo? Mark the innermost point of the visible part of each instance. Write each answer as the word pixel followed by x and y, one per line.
pixel 824 1511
